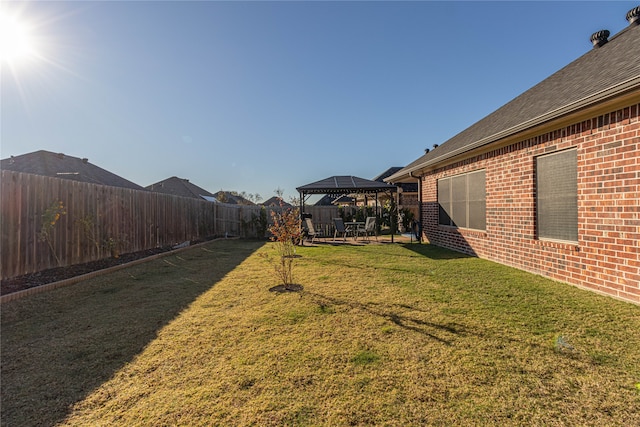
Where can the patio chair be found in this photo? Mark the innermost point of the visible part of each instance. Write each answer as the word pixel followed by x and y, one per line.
pixel 311 230
pixel 341 229
pixel 369 228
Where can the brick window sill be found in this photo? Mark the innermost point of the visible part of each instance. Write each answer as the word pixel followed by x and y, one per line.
pixel 464 231
pixel 558 244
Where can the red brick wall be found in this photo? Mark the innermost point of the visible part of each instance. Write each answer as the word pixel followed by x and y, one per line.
pixel 606 258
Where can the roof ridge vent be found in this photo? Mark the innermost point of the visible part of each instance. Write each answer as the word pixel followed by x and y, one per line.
pixel 600 38
pixel 633 16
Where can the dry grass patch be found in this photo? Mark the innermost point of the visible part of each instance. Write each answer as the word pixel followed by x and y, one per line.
pixel 380 335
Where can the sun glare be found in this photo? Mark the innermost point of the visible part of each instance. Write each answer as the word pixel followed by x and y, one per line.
pixel 15 40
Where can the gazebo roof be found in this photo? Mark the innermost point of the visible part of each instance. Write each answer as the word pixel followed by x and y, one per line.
pixel 346 185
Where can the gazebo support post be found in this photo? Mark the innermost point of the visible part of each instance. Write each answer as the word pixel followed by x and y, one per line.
pixel 301 203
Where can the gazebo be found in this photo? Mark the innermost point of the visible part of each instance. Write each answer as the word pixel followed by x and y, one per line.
pixel 345 185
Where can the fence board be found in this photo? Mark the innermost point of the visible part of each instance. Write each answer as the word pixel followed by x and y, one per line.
pixel 135 220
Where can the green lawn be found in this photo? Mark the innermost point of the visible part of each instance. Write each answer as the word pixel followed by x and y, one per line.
pixel 383 334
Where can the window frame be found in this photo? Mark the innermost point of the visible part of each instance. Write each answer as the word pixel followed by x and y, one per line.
pixel 550 226
pixel 451 198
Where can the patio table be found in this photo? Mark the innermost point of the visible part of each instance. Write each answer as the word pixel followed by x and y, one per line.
pixel 353 226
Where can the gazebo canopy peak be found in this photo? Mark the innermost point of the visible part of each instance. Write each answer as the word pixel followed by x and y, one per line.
pixel 345 184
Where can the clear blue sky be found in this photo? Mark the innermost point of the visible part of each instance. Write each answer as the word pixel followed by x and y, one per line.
pixel 254 96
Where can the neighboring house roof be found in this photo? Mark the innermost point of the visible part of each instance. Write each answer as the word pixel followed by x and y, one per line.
pixel 181 187
pixel 327 200
pixel 334 200
pixel 609 71
pixel 387 173
pixel 59 165
pixel 276 201
pixel 232 198
pixel 344 200
pixel 345 185
pixel 407 187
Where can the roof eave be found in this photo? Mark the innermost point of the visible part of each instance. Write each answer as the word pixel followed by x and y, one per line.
pixel 604 95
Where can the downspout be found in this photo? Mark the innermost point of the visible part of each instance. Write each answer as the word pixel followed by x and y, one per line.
pixel 419 205
pixel 395 214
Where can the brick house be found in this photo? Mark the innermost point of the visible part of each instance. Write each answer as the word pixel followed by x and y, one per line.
pixel 550 182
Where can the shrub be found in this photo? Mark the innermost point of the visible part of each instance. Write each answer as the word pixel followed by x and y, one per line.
pixel 286 231
pixel 49 219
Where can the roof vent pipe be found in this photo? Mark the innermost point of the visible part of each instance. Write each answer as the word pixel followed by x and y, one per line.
pixel 426 150
pixel 85 160
pixel 600 38
pixel 633 16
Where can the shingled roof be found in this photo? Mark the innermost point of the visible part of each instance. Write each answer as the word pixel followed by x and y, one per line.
pixel 407 187
pixel 180 187
pixel 275 201
pixel 604 72
pixel 59 165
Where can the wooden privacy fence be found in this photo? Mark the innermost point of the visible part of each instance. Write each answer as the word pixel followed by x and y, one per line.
pixel 50 222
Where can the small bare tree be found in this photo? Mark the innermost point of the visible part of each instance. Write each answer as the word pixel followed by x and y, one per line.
pixel 286 231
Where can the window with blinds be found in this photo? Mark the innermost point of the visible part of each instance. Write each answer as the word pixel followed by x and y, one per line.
pixel 462 200
pixel 557 196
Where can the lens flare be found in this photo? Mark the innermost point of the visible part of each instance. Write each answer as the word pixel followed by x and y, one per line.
pixel 15 39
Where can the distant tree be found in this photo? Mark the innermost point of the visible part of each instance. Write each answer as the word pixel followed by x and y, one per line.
pixel 261 222
pixel 241 197
pixel 279 192
pixel 222 196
